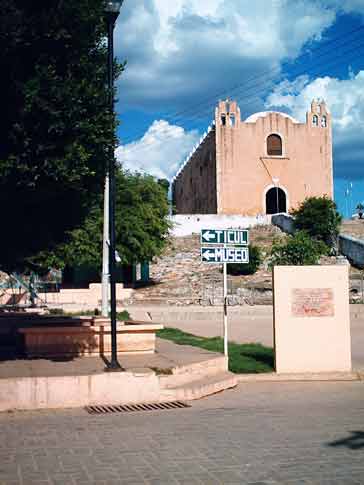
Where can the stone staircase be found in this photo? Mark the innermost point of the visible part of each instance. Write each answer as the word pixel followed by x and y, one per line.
pixel 197 380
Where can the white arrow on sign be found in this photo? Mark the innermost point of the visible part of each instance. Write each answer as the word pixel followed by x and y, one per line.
pixel 209 255
pixel 208 235
pixel 225 255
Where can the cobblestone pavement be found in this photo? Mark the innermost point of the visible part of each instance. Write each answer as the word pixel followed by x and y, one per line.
pixel 286 433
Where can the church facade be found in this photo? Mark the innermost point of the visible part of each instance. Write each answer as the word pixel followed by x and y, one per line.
pixel 267 164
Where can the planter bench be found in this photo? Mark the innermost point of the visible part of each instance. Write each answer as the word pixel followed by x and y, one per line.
pixel 89 338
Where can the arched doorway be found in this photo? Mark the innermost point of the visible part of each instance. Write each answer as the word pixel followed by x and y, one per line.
pixel 275 201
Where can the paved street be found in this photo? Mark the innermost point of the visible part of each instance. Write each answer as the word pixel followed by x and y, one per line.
pixel 286 433
pixel 246 324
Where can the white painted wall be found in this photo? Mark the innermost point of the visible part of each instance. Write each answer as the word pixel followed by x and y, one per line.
pixel 185 224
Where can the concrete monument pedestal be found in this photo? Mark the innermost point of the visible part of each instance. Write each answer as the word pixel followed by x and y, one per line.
pixel 311 319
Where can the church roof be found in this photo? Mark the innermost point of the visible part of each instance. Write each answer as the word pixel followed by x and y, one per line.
pixel 253 118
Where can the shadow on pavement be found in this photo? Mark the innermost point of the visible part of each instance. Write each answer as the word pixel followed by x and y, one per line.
pixel 355 441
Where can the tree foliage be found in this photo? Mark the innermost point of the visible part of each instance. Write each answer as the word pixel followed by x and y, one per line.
pixel 255 260
pixel 297 250
pixel 55 124
pixel 141 227
pixel 318 217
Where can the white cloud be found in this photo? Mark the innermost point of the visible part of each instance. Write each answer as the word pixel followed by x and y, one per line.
pixel 160 151
pixel 345 99
pixel 181 51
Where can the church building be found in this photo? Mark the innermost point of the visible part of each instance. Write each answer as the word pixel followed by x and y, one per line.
pixel 267 164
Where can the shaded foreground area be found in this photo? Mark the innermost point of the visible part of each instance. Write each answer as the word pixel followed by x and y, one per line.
pixel 287 433
pixel 243 358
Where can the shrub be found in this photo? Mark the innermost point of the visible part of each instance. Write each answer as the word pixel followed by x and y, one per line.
pixel 297 250
pixel 360 209
pixel 318 217
pixel 255 259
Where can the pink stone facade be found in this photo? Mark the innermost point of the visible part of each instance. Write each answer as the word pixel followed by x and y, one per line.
pixel 232 172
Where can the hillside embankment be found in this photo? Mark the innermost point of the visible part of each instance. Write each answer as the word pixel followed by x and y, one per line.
pixel 180 278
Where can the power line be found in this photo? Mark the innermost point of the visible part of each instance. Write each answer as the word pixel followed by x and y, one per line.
pixel 252 96
pixel 192 109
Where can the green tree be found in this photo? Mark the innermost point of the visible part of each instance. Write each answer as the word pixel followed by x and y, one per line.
pixel 318 217
pixel 142 227
pixel 55 123
pixel 255 259
pixel 297 250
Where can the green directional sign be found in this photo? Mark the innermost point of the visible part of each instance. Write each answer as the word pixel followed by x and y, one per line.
pixel 239 237
pixel 211 254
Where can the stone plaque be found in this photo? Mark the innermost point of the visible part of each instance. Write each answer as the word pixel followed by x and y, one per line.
pixel 313 302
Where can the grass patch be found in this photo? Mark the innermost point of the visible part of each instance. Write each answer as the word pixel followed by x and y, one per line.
pixel 243 358
pixel 124 315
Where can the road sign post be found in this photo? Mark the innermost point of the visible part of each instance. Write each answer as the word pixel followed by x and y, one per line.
pixel 225 246
pixel 226 352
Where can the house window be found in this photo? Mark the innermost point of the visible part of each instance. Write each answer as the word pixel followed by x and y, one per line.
pixel 274 145
pixel 324 122
pixel 315 120
pixel 232 120
pixel 223 120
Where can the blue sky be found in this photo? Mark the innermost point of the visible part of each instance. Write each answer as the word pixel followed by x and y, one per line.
pixel 184 55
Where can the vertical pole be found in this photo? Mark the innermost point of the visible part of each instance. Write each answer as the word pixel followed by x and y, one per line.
pixel 105 253
pixel 277 195
pixel 114 364
pixel 225 313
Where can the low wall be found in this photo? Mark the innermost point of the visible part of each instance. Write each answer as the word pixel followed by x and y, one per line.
pixel 353 249
pixel 76 391
pixel 284 222
pixel 72 299
pixel 185 225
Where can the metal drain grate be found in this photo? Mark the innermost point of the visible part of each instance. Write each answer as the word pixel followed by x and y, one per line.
pixel 129 408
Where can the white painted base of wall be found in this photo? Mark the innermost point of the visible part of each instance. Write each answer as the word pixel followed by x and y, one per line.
pixel 187 224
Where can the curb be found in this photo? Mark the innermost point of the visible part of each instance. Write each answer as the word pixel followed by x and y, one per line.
pixel 302 377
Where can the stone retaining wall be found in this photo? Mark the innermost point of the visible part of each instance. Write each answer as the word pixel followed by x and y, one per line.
pixel 185 225
pixel 353 249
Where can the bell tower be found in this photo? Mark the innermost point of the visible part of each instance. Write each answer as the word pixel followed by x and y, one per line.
pixel 227 114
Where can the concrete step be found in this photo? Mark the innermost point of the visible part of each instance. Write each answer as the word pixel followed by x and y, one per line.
pixel 185 374
pixel 200 388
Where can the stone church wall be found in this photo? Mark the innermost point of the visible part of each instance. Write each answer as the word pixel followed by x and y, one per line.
pixel 194 189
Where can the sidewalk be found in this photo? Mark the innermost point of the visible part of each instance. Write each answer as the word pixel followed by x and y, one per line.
pixel 167 357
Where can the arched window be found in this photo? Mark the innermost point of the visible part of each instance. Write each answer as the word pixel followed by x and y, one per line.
pixel 324 122
pixel 274 145
pixel 315 120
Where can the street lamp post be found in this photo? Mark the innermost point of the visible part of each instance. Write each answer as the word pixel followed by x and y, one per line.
pixel 112 9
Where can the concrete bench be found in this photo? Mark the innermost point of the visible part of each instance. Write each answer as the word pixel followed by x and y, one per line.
pixel 89 338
